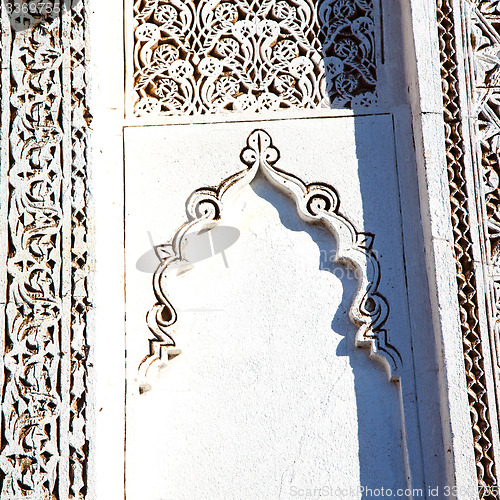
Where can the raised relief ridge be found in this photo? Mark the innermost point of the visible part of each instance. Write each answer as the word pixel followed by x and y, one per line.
pixel 249 55
pixel 80 256
pixel 316 203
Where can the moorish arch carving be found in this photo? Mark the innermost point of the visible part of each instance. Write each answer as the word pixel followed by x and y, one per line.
pixel 249 55
pixel 316 203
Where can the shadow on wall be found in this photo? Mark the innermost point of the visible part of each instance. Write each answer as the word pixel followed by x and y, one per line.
pixel 379 194
pixel 356 155
pixel 400 250
pixel 285 365
pixel 378 425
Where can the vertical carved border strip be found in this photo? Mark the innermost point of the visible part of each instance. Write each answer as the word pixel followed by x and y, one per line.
pixel 5 42
pixel 79 254
pixel 64 473
pixel 43 209
pixel 466 278
pixel 482 40
pixel 32 403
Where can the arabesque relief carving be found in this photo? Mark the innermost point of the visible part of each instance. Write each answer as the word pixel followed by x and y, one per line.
pixel 483 74
pixel 316 203
pixel 248 55
pixel 44 371
pixel 484 80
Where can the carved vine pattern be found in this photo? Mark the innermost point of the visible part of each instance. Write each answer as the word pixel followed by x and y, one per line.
pixel 31 399
pixel 209 56
pixel 316 203
pixel 460 210
pixel 43 398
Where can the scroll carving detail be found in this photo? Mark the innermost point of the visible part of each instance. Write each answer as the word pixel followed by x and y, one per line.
pixel 247 55
pixel 31 400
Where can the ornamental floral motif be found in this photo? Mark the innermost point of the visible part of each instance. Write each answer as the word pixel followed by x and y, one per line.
pixel 45 252
pixel 248 55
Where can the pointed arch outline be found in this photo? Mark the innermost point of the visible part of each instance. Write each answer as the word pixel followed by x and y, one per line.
pixel 316 203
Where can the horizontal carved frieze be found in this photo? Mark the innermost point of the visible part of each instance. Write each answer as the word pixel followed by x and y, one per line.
pixel 248 55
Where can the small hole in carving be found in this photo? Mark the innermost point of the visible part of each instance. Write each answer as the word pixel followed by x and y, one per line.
pixel 370 305
pixel 143 388
pixel 165 315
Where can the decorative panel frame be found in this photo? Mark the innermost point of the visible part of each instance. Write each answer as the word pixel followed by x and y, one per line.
pixel 44 367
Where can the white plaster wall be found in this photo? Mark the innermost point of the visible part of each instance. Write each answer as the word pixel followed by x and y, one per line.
pixel 163 168
pixel 269 393
pixel 105 93
pixel 423 74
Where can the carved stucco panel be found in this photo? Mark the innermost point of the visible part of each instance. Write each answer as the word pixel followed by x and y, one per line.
pixel 246 55
pixel 44 367
pixel 482 44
